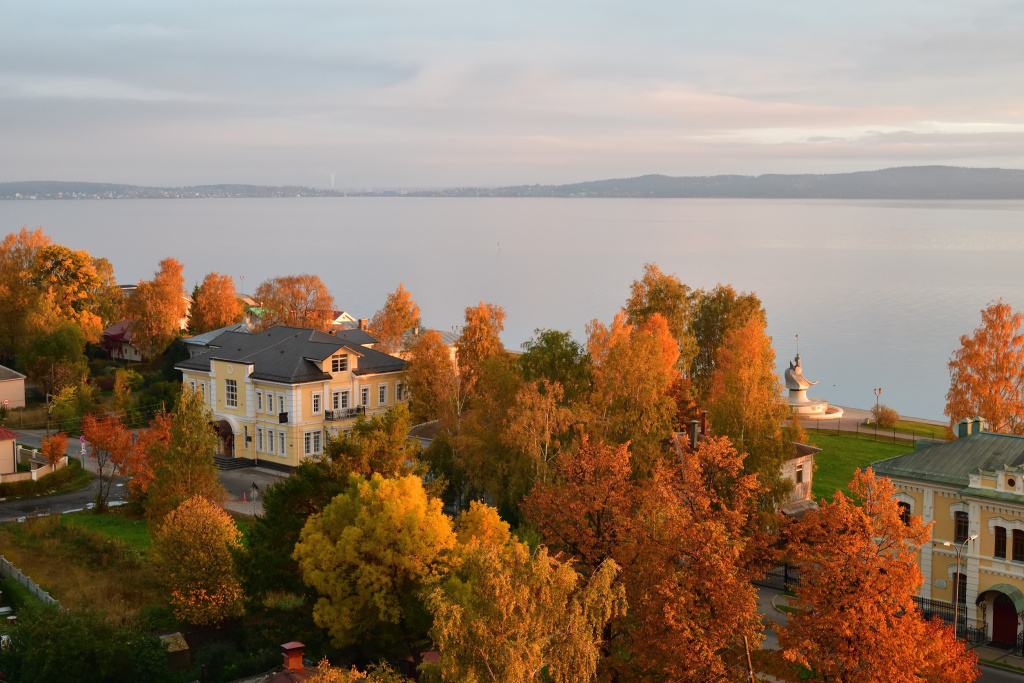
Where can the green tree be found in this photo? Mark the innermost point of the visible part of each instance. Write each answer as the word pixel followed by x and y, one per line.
pixel 557 357
pixel 379 445
pixel 183 467
pixel 369 555
pixel 56 360
pixel 48 644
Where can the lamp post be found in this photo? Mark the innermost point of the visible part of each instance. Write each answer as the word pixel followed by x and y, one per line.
pixel 878 393
pixel 956 586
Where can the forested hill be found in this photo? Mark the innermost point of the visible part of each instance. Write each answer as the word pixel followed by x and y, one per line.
pixel 911 182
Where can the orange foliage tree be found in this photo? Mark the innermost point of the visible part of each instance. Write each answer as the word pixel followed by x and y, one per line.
pixel 19 297
pixel 157 309
pixel 716 313
pixel 436 388
pixel 67 281
pixel 534 423
pixel 855 619
pixel 295 300
pixel 54 447
pixel 193 549
pixel 399 315
pixel 683 542
pixel 111 446
pixel 140 467
pixel 987 372
pixel 634 370
pixel 479 339
pixel 665 295
pixel 214 305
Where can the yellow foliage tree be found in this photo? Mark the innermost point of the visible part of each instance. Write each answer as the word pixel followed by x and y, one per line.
pixel 510 615
pixel 370 554
pixel 193 552
pixel 399 315
pixel 295 300
pixel 987 372
pixel 480 338
pixel 157 309
pixel 19 297
pixel 483 523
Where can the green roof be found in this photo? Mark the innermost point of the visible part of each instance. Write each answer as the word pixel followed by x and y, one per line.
pixel 954 461
pixel 1011 592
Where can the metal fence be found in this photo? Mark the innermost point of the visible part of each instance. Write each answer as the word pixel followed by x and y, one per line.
pixel 8 570
pixel 780 578
pixel 945 611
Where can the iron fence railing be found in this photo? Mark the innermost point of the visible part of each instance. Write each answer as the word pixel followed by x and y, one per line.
pixel 780 578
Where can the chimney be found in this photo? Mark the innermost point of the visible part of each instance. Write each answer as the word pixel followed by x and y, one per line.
pixel 703 423
pixel 694 427
pixel 963 428
pixel 362 323
pixel 292 653
pixel 979 425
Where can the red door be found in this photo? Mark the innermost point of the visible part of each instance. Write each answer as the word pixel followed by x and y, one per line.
pixel 1004 621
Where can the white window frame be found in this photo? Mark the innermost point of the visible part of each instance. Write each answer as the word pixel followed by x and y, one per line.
pixel 312 443
pixel 345 399
pixel 339 363
pixel 230 393
pixel 318 402
pixel 364 397
pixel 268 403
pixel 192 385
pixel 382 394
pixel 399 392
pixel 259 401
pixel 259 439
pixel 280 404
pixel 283 450
pixel 270 440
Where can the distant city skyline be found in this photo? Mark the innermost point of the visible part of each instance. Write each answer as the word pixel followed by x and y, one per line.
pixel 455 93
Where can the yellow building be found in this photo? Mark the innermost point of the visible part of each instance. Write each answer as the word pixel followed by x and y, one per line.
pixel 275 395
pixel 971 486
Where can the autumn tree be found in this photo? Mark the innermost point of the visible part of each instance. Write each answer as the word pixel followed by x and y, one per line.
pixel 107 298
pixel 139 467
pixel 370 554
pixel 125 379
pixel 19 297
pixel 745 404
pixel 67 280
pixel 987 372
pixel 482 523
pixel 437 390
pixel 376 673
pixel 215 304
pixel 507 614
pixel 399 315
pixel 157 309
pixel 380 444
pixel 56 360
pixel 854 618
pixel 111 445
pixel 294 300
pixel 479 339
pixel 183 466
pixel 634 367
pixel 193 549
pixel 535 422
pixel 54 447
pixel 657 292
pixel 681 539
pixel 716 313
pixel 556 357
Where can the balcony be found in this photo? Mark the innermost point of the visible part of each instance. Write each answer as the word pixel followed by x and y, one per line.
pixel 343 413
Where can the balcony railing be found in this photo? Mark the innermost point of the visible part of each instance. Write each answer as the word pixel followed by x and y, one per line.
pixel 343 413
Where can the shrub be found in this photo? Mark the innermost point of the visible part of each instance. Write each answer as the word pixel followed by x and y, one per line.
pixel 885 417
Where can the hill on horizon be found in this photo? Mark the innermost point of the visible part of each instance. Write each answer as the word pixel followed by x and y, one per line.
pixel 905 182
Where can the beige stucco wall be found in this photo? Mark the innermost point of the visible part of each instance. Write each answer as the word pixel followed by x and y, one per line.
pixel 7 463
pixel 13 390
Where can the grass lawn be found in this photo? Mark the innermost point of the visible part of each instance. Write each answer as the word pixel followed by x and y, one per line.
pixel 916 428
pixel 841 455
pixel 133 531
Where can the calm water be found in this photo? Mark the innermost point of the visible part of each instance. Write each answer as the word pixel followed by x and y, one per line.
pixel 879 292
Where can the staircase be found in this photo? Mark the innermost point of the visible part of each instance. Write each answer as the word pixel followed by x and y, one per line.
pixel 226 463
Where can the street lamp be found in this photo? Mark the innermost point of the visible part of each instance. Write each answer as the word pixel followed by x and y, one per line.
pixel 956 587
pixel 878 392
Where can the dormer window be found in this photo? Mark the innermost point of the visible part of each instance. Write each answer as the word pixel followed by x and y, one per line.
pixel 339 363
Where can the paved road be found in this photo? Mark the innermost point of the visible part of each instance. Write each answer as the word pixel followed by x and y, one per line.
pixel 237 483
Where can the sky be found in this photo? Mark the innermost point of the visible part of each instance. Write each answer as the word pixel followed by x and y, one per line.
pixel 387 93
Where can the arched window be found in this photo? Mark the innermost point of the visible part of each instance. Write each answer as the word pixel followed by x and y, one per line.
pixel 1018 545
pixel 962 527
pixel 1000 542
pixel 905 512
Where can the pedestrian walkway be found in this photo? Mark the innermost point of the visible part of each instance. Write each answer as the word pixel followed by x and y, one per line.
pixel 998 657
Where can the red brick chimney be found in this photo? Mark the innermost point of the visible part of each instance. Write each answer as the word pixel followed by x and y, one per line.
pixel 292 653
pixel 703 423
pixel 362 323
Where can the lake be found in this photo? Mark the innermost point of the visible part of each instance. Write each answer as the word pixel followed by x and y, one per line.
pixel 879 292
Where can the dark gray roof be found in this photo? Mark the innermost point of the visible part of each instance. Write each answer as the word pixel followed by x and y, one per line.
pixel 356 336
pixel 7 374
pixel 953 462
pixel 206 337
pixel 289 354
